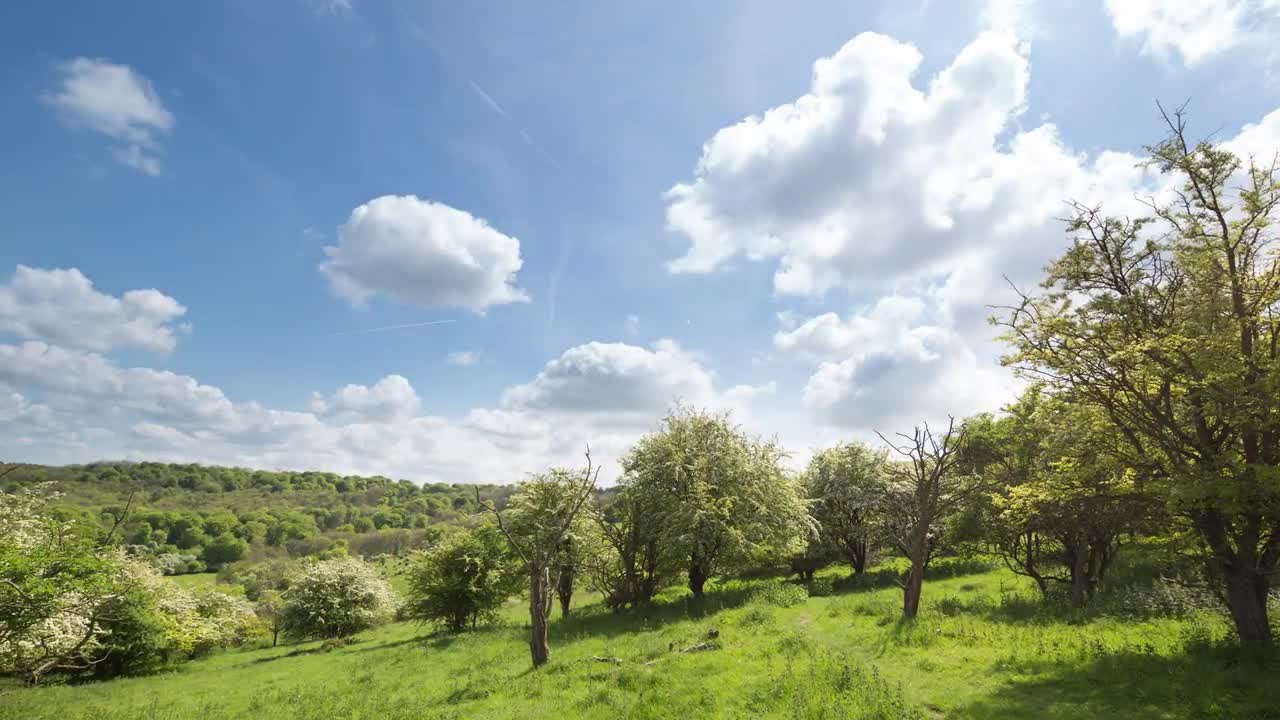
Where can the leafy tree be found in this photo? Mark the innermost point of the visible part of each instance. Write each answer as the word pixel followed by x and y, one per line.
pixel 1069 492
pixel 53 584
pixel 1167 323
pixel 225 548
pixel 626 565
pixel 719 496
pixel 462 581
pixel 270 611
pixel 844 485
pixel 538 523
pixel 335 598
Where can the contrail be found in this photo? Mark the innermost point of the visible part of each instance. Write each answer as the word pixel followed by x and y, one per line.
pixel 392 327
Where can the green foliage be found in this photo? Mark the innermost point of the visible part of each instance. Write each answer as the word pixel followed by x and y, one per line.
pixel 182 513
pixel 1166 325
pixel 718 497
pixel 844 485
pixel 335 598
pixel 462 581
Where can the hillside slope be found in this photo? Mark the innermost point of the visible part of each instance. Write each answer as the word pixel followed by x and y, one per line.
pixel 979 650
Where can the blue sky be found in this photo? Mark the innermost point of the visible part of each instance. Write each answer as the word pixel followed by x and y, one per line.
pixel 797 216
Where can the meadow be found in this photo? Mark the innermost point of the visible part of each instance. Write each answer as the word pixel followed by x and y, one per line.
pixel 983 646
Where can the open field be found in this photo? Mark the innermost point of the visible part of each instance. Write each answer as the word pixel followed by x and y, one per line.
pixel 980 649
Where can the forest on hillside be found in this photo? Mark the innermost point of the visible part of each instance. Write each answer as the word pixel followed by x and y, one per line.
pixel 196 518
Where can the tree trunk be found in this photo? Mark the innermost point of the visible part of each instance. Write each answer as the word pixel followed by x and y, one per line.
pixel 911 591
pixel 275 636
pixel 1079 554
pixel 1247 600
pixel 1244 574
pixel 858 555
pixel 697 577
pixel 539 598
pixel 564 589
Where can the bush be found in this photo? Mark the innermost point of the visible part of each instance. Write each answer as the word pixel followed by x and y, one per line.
pixel 821 586
pixel 335 598
pixel 781 594
pixel 461 581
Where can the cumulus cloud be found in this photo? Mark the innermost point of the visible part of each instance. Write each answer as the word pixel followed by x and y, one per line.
pixel 1195 31
pixel 63 307
pixel 418 252
pixel 462 358
pixel 615 378
pixel 894 364
pixel 867 182
pixel 78 405
pixel 117 101
pixel 918 196
pixel 391 398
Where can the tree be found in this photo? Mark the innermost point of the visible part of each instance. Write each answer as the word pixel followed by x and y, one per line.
pixel 54 582
pixel 626 565
pixel 225 548
pixel 922 492
pixel 719 496
pixel 844 485
pixel 540 517
pixel 1068 491
pixel 462 581
pixel 1168 324
pixel 269 610
pixel 335 598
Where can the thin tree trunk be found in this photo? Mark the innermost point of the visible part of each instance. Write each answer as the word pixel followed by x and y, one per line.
pixel 564 589
pixel 1079 555
pixel 539 597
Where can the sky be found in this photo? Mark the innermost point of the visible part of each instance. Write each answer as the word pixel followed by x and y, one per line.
pixel 461 242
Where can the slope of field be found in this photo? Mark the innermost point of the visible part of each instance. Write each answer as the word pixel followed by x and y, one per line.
pixel 979 650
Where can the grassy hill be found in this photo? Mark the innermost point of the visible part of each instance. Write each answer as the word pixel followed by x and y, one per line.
pixel 982 648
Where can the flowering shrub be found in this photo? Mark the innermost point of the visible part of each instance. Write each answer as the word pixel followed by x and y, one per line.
pixel 335 598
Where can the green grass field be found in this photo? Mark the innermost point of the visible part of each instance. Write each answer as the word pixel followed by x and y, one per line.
pixel 979 649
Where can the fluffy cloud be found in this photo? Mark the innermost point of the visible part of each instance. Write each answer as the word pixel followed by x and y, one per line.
pixel 78 405
pixel 424 253
pixel 391 398
pixel 894 364
pixel 118 102
pixel 615 378
pixel 923 199
pixel 462 358
pixel 867 182
pixel 1196 31
pixel 63 307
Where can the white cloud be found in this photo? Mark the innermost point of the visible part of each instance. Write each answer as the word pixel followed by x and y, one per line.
pixel 63 307
pixel 632 325
pixel 419 252
pixel 890 366
pixel 616 378
pixel 1195 31
pixel 391 398
pixel 867 183
pixel 118 102
pixel 920 201
pixel 463 358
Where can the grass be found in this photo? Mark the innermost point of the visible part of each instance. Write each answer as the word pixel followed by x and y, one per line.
pixel 980 649
pixel 195 581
